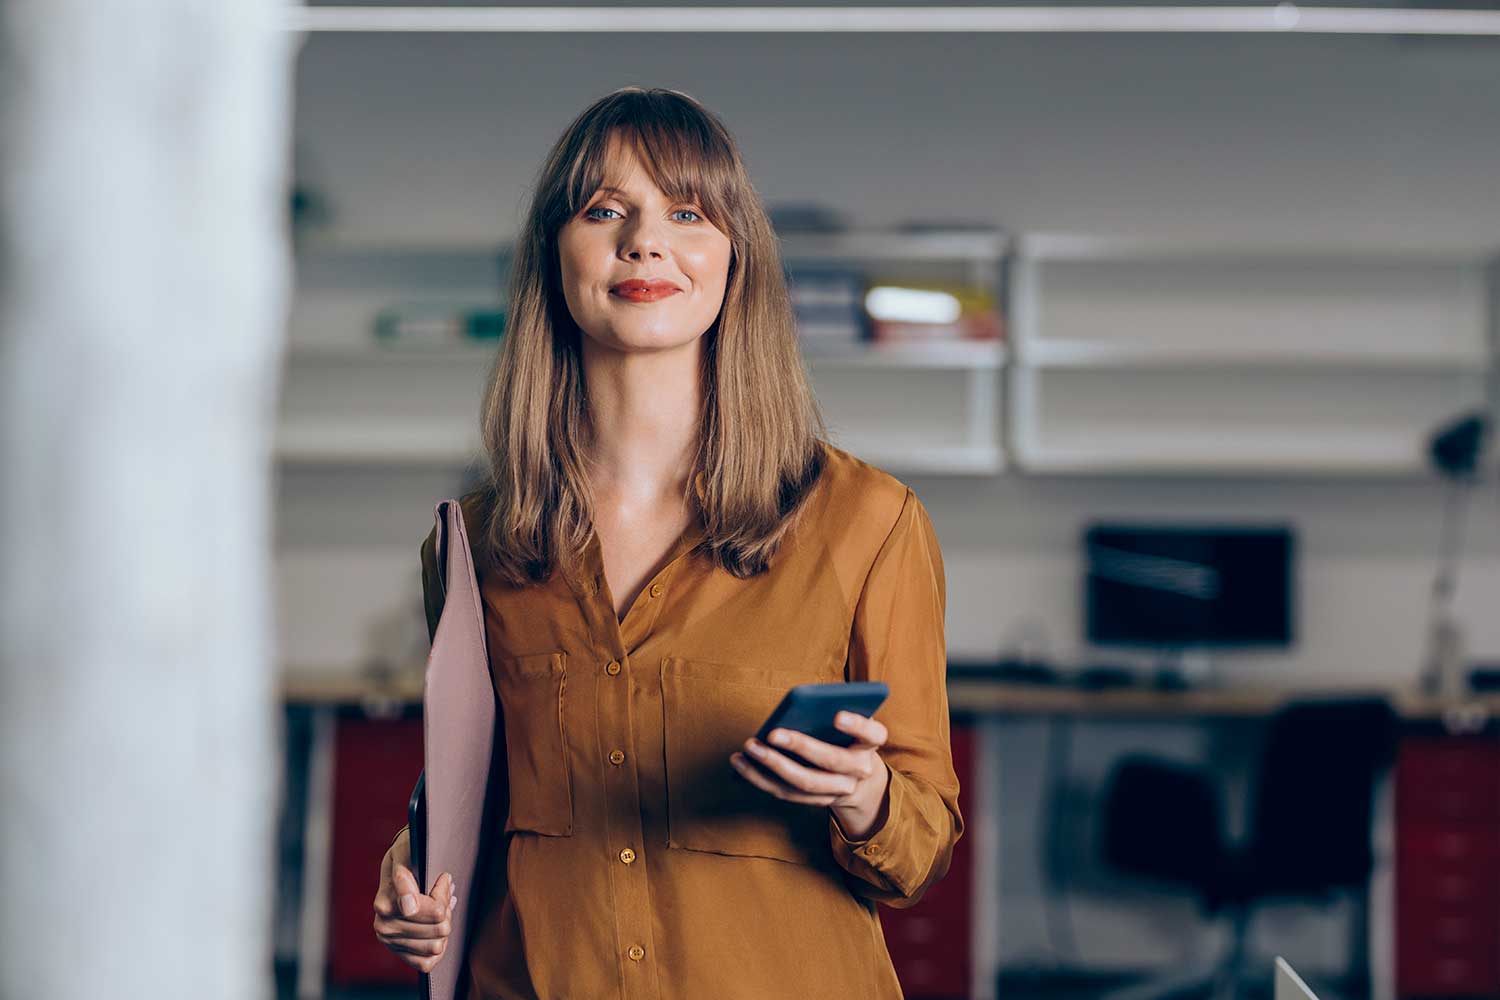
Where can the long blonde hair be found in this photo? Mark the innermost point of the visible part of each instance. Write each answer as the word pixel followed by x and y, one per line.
pixel 760 451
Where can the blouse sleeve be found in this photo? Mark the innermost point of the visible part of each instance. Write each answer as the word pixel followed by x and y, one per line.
pixel 898 638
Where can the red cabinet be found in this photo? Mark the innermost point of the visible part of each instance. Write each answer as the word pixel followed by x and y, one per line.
pixel 930 942
pixel 375 761
pixel 1448 866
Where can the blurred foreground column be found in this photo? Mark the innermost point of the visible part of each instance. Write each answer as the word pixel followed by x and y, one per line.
pixel 143 282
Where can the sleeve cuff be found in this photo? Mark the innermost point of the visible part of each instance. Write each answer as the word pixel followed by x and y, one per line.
pixel 874 857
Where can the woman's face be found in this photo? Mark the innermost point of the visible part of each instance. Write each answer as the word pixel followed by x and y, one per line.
pixel 630 231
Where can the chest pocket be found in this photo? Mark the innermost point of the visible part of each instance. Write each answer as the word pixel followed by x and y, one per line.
pixel 710 710
pixel 531 692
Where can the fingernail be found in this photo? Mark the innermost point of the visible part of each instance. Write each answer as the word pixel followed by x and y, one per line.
pixel 779 738
pixel 408 904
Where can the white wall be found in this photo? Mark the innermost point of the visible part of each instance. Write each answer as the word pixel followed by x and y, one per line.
pixel 436 138
pixel 1362 137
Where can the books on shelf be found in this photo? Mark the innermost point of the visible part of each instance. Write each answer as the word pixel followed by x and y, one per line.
pixel 828 305
pixel 926 310
pixel 438 324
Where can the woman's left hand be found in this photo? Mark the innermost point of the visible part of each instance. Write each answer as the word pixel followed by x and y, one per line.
pixel 849 780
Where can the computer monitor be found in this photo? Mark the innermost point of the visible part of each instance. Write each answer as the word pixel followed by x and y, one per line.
pixel 1188 586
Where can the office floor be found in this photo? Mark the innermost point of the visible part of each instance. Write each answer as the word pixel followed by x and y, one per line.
pixel 1050 984
pixel 1083 986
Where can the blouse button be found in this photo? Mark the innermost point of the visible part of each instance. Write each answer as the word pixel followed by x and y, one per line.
pixel 613 668
pixel 656 590
pixel 627 855
pixel 636 953
pixel 616 756
pixel 872 848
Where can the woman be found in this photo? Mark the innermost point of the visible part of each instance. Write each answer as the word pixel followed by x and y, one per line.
pixel 666 546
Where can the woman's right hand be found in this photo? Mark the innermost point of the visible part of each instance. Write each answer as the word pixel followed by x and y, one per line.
pixel 414 926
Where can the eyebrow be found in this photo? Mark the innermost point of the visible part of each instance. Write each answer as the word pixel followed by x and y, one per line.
pixel 607 189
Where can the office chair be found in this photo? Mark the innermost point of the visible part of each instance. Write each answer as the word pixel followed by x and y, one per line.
pixel 1308 837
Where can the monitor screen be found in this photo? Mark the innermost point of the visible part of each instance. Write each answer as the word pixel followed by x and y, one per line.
pixel 1182 586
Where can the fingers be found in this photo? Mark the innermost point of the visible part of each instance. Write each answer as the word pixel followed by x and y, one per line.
pixel 393 929
pixel 820 754
pixel 830 770
pixel 420 939
pixel 405 884
pixel 400 901
pixel 419 955
pixel 868 731
pixel 767 782
pixel 789 780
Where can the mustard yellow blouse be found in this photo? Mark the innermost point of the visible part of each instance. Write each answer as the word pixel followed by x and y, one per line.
pixel 636 862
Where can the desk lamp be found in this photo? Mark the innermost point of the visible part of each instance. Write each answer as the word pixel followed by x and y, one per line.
pixel 1454 451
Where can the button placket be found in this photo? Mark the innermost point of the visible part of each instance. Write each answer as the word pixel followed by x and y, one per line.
pixel 618 641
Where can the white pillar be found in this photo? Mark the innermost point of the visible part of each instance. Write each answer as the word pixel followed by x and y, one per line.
pixel 144 278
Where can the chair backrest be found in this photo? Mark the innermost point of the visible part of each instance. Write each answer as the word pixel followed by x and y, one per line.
pixel 1163 821
pixel 1310 816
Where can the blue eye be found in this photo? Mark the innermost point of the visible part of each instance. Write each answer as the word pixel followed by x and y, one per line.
pixel 589 214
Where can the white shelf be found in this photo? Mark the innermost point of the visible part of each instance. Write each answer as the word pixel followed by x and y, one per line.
pixel 955 354
pixel 350 400
pixel 306 442
pixel 1141 356
pixel 1075 353
pixel 1074 246
pixel 403 444
pixel 895 245
pixel 1310 455
pixel 960 246
pixel 947 459
pixel 375 353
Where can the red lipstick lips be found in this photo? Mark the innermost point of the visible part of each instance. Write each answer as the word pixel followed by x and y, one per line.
pixel 636 290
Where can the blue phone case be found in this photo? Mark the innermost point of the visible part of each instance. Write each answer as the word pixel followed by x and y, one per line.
pixel 811 708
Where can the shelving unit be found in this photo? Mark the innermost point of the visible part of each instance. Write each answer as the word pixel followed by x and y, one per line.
pixel 929 408
pixel 1134 356
pixel 1127 356
pixel 923 408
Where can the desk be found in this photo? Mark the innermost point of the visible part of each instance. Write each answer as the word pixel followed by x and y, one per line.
pixel 1004 698
pixel 985 697
pixel 1428 942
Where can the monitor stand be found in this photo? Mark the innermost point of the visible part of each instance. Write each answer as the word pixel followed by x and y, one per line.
pixel 1178 669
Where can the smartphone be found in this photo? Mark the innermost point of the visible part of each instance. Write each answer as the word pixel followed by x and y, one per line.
pixel 811 709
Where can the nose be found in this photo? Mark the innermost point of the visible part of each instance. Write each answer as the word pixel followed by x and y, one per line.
pixel 644 239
